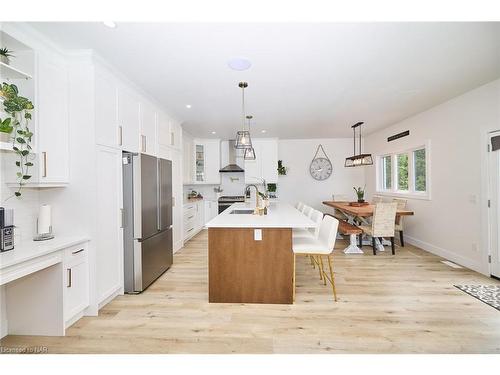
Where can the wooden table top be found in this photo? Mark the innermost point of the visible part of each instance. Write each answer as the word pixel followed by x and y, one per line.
pixel 363 211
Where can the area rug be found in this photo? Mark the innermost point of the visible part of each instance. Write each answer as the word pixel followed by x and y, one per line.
pixel 489 294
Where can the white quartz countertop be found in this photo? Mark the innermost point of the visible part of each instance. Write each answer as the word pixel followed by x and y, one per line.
pixel 279 215
pixel 27 250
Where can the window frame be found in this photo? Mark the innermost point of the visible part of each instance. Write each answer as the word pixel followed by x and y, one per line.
pixel 395 191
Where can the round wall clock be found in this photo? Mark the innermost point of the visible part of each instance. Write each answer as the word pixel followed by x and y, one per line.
pixel 321 167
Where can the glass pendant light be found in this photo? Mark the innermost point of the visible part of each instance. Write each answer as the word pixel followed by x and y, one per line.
pixel 249 152
pixel 360 159
pixel 243 140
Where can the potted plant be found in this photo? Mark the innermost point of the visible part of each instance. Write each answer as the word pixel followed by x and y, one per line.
pixel 360 192
pixel 5 55
pixel 281 168
pixel 271 188
pixel 16 126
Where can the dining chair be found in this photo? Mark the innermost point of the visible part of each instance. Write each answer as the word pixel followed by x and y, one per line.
pixel 377 199
pixel 399 219
pixel 299 206
pixel 383 224
pixel 339 215
pixel 316 248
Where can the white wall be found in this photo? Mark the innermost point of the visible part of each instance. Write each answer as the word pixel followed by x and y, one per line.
pixel 449 224
pixel 298 185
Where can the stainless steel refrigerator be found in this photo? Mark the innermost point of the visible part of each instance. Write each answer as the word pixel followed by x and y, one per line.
pixel 147 219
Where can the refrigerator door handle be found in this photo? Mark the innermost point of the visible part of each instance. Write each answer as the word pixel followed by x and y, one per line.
pixel 158 195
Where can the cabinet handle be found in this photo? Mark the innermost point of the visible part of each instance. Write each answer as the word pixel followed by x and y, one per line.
pixel 69 278
pixel 120 135
pixel 190 217
pixel 172 139
pixel 44 155
pixel 122 220
pixel 143 138
pixel 173 201
pixel 78 251
pixel 189 230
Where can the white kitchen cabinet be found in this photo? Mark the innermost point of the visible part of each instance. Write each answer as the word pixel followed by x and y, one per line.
pixel 164 137
pixel 194 218
pixel 187 159
pixel 76 285
pixel 129 120
pixel 207 161
pixel 53 122
pixel 175 135
pixel 106 114
pixel 265 165
pixel 211 209
pixel 109 236
pixel 148 136
pixel 177 201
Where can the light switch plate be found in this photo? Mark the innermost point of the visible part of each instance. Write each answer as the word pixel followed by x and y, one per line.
pixel 257 234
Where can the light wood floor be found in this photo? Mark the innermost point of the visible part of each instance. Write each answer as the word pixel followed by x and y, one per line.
pixel 387 304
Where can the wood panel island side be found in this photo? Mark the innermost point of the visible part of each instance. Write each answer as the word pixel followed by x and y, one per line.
pixel 250 258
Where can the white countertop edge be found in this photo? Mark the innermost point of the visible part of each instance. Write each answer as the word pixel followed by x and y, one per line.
pixel 28 250
pixel 280 215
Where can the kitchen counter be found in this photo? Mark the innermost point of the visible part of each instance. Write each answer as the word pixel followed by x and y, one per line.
pixel 279 215
pixel 27 250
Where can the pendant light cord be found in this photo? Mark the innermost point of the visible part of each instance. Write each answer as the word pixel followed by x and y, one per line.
pixel 243 105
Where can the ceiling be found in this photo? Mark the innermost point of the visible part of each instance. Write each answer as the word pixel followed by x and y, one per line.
pixel 306 80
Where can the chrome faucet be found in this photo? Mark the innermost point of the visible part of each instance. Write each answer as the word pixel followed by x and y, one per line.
pixel 247 191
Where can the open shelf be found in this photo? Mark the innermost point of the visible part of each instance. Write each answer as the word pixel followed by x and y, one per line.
pixel 38 185
pixel 9 72
pixel 6 146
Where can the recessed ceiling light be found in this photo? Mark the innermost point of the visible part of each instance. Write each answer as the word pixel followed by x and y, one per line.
pixel 263 131
pixel 239 63
pixel 214 133
pixel 188 105
pixel 110 24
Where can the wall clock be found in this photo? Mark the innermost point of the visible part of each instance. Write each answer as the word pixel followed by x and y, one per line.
pixel 321 167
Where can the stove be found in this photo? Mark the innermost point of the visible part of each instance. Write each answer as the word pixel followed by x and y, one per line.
pixel 228 200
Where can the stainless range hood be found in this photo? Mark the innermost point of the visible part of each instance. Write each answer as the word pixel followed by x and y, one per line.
pixel 232 166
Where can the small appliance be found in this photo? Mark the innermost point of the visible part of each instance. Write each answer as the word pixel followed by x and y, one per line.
pixel 6 229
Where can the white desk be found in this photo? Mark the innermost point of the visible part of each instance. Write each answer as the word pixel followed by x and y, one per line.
pixel 33 279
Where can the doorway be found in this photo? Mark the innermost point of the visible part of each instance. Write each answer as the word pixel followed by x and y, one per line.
pixel 494 201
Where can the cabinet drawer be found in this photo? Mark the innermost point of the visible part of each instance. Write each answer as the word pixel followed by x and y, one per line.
pixel 189 218
pixel 188 231
pixel 75 253
pixel 189 209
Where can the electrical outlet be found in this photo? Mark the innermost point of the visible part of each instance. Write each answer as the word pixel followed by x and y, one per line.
pixel 257 234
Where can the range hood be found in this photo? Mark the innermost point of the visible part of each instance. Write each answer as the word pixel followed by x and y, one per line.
pixel 232 166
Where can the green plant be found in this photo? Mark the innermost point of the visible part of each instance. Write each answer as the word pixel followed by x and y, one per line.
pixel 281 168
pixel 6 52
pixel 360 192
pixel 271 188
pixel 17 125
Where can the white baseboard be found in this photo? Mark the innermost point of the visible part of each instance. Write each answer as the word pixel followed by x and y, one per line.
pixel 439 251
pixel 111 297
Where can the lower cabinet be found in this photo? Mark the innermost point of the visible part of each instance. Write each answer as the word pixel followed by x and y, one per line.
pixel 76 283
pixel 194 218
pixel 211 210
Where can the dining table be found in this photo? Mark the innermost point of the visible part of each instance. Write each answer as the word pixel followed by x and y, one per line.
pixel 361 214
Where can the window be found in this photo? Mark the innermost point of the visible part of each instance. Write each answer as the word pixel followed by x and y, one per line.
pixel 386 172
pixel 419 168
pixel 404 173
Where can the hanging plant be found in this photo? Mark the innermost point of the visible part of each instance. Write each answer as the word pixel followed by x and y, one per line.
pixel 281 168
pixel 17 126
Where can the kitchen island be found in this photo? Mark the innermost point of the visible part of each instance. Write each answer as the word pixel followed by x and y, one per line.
pixel 250 258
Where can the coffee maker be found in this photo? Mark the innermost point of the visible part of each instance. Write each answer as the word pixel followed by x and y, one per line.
pixel 6 229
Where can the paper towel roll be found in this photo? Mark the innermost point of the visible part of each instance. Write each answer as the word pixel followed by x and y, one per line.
pixel 44 219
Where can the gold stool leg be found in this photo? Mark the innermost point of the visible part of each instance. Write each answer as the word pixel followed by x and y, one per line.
pixel 332 278
pixel 322 269
pixel 316 260
pixel 312 261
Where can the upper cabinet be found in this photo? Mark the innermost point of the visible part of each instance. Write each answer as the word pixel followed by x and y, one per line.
pixel 187 159
pixel 128 120
pixel 206 161
pixel 148 139
pixel 53 120
pixel 169 132
pixel 106 113
pixel 265 165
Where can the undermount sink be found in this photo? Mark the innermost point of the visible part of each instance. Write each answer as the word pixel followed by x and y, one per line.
pixel 241 212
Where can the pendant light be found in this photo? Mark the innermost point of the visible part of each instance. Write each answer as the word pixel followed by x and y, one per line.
pixel 360 159
pixel 249 152
pixel 243 140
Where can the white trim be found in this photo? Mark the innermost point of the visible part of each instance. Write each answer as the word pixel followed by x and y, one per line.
pixel 446 254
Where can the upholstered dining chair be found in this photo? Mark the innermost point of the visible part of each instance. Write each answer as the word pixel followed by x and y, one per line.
pixel 377 199
pixel 399 219
pixel 383 224
pixel 316 248
pixel 337 213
